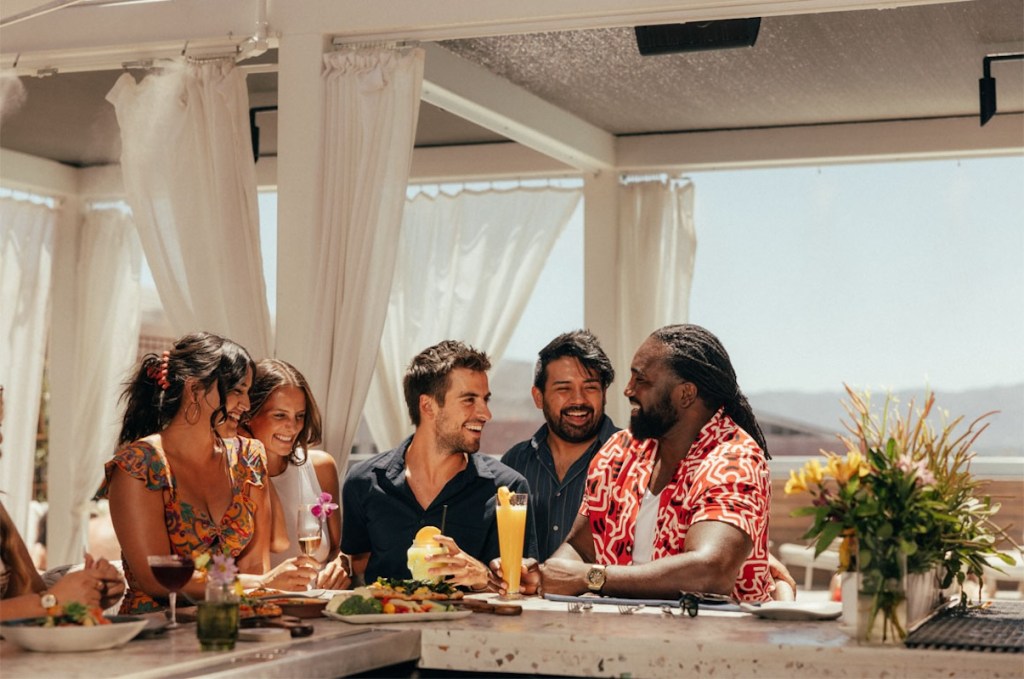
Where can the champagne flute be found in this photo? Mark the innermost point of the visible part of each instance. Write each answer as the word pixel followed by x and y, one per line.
pixel 173 571
pixel 309 530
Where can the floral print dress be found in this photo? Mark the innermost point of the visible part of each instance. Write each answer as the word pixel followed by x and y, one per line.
pixel 190 531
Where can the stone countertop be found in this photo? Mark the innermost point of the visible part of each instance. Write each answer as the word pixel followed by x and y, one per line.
pixel 335 649
pixel 548 639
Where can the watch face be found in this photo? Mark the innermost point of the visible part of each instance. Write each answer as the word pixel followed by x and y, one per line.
pixel 595 578
pixel 47 600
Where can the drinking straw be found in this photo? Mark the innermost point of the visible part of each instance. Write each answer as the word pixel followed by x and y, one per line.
pixel 444 515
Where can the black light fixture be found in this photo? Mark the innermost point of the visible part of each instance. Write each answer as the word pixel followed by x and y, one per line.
pixel 697 36
pixel 254 129
pixel 987 84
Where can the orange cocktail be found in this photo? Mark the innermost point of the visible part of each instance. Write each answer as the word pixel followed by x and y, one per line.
pixel 511 513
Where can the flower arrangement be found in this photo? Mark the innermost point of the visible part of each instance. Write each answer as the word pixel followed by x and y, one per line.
pixel 221 574
pixel 324 506
pixel 903 500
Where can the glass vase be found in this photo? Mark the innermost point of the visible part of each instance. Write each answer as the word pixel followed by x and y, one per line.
pixel 217 617
pixel 875 602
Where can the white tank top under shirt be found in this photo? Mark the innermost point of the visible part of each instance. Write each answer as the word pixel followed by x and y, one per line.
pixel 296 486
pixel 646 525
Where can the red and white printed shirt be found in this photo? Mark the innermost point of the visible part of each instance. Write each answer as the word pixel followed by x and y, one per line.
pixel 724 477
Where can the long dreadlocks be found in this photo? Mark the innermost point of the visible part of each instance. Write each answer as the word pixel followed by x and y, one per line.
pixel 696 355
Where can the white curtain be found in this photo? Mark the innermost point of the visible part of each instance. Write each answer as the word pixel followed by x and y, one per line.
pixel 657 245
pixel 190 179
pixel 106 338
pixel 467 265
pixel 26 258
pixel 371 105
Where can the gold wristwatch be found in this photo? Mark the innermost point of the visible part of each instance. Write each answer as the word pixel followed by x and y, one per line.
pixel 596 577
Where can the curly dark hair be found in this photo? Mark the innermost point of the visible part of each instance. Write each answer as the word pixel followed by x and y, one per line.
pixel 581 345
pixel 208 358
pixel 429 373
pixel 695 355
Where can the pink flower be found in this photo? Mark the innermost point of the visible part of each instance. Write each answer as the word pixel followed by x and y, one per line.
pixel 323 507
pixel 922 475
pixel 223 571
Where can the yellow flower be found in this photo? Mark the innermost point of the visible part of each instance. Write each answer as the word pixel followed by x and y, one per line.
pixel 844 469
pixel 814 471
pixel 797 483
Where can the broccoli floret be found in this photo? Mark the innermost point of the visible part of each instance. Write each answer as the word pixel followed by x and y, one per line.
pixel 357 605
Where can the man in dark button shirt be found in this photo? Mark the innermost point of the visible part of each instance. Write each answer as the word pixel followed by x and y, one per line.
pixel 570 381
pixel 433 478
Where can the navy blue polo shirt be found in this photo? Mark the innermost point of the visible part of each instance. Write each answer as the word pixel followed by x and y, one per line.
pixel 381 514
pixel 555 504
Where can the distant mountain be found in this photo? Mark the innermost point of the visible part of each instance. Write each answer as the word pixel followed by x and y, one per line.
pixel 1004 436
pixel 511 403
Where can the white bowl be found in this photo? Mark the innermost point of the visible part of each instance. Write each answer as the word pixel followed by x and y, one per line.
pixel 28 634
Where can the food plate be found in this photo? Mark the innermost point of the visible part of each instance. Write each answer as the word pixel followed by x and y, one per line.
pixel 300 607
pixel 372 618
pixel 28 634
pixel 791 610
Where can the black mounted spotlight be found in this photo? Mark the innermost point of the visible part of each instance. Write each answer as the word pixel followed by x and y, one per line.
pixel 987 84
pixel 254 129
pixel 697 36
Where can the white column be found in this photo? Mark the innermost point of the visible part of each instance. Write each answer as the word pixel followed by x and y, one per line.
pixel 61 365
pixel 600 259
pixel 300 139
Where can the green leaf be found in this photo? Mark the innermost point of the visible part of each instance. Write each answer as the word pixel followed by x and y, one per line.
pixel 828 535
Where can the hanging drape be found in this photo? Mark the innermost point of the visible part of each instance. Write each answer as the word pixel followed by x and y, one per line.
pixel 467 264
pixel 371 105
pixel 26 257
pixel 106 338
pixel 657 245
pixel 190 179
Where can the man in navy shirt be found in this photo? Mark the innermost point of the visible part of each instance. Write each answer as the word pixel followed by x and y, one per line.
pixel 570 381
pixel 433 478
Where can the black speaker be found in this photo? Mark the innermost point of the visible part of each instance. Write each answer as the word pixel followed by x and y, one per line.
pixel 697 36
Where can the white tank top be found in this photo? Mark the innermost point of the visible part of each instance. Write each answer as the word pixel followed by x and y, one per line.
pixel 298 485
pixel 646 524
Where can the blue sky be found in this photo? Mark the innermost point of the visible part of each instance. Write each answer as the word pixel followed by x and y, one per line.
pixel 889 275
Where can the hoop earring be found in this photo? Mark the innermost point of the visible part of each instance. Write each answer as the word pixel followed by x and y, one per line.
pixel 192 416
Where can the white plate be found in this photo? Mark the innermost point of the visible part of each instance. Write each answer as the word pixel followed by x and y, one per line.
pixel 70 639
pixel 370 618
pixel 791 610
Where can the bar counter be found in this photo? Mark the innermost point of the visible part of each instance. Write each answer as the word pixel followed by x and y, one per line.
pixel 546 639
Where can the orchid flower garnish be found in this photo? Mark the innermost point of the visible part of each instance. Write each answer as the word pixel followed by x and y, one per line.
pixel 323 507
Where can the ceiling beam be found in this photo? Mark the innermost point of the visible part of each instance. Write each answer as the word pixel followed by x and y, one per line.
pixel 89 26
pixel 472 92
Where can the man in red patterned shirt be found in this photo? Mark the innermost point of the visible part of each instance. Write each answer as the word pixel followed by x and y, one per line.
pixel 679 502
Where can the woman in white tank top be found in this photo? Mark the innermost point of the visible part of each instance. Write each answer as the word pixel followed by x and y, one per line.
pixel 285 418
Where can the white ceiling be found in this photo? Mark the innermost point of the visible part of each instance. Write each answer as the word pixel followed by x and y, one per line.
pixel 920 62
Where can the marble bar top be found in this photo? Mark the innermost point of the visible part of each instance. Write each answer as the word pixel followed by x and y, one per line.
pixel 548 639
pixel 335 649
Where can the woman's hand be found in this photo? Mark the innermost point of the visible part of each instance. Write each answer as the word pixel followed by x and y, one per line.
pixel 113 581
pixel 295 574
pixel 85 587
pixel 335 574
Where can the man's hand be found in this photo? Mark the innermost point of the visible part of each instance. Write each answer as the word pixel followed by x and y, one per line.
pixel 529 578
pixel 785 585
pixel 563 576
pixel 335 575
pixel 294 575
pixel 459 568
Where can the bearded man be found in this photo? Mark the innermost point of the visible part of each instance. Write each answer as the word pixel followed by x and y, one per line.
pixel 435 477
pixel 570 382
pixel 679 502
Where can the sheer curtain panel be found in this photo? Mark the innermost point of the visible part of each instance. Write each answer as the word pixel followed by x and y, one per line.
pixel 657 245
pixel 26 257
pixel 191 182
pixel 467 265
pixel 106 329
pixel 371 104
